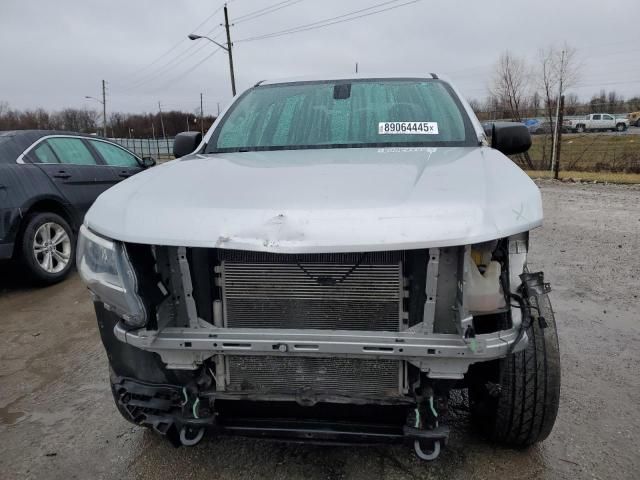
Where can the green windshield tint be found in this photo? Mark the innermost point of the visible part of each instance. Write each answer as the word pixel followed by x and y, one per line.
pixel 353 113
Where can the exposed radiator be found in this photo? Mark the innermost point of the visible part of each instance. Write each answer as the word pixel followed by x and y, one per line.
pixel 352 291
pixel 349 291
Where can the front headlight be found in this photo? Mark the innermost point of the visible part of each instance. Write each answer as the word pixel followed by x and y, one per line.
pixel 105 267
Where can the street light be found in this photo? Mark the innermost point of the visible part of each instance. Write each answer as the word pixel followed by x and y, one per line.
pixel 193 36
pixel 227 48
pixel 104 113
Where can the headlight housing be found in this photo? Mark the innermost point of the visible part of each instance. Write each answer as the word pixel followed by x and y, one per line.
pixel 104 266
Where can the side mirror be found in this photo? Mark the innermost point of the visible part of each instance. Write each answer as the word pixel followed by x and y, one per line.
pixel 148 162
pixel 185 143
pixel 509 137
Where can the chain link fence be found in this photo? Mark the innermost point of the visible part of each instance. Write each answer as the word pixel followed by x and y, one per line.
pixel 161 149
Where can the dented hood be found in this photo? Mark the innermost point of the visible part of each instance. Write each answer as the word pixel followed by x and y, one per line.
pixel 327 200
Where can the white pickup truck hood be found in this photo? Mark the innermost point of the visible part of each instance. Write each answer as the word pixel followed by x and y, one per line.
pixel 328 200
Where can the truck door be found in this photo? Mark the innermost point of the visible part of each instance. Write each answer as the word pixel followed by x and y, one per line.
pixel 608 121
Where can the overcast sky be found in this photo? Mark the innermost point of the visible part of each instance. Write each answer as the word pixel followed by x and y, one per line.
pixel 53 53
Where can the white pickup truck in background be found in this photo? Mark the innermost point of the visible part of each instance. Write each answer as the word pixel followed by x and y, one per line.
pixel 597 121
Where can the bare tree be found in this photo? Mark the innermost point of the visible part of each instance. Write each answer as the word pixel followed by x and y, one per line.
pixel 535 103
pixel 510 86
pixel 511 83
pixel 559 71
pixel 571 104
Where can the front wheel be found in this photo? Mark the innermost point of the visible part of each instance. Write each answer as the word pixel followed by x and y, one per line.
pixel 515 400
pixel 47 247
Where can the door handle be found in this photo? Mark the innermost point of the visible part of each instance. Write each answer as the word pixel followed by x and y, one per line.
pixel 62 174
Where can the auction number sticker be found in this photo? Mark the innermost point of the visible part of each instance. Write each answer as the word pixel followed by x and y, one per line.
pixel 408 128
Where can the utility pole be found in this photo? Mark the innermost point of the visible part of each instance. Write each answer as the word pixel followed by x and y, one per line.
pixel 164 137
pixel 201 116
pixel 104 108
pixel 356 67
pixel 218 109
pixel 229 44
pixel 556 166
pixel 555 130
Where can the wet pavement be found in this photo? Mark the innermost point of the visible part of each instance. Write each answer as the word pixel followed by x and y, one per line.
pixel 57 418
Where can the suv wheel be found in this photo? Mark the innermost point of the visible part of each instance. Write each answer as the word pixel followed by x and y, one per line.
pixel 621 127
pixel 515 400
pixel 580 128
pixel 47 247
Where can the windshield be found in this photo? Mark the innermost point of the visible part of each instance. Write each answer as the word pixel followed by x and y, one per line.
pixel 341 114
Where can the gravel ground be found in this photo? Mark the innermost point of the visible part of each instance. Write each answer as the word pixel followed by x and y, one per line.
pixel 57 419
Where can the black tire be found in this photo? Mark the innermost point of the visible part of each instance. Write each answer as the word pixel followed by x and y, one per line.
pixel 638 123
pixel 26 245
pixel 580 129
pixel 515 401
pixel 621 127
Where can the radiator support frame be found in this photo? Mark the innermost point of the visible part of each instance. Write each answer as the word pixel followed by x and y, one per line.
pixel 438 355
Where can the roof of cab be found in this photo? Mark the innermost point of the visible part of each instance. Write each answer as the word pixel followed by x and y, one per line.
pixel 351 76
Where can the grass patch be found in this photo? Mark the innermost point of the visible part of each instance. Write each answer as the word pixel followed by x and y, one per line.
pixel 590 152
pixel 601 177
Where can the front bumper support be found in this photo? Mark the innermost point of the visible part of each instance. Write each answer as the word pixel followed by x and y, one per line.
pixel 438 355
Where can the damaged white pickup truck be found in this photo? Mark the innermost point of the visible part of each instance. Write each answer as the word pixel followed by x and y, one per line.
pixel 328 263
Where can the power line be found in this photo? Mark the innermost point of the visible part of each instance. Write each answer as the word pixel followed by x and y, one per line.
pixel 175 60
pixel 150 78
pixel 261 9
pixel 581 85
pixel 136 73
pixel 331 21
pixel 199 63
pixel 265 11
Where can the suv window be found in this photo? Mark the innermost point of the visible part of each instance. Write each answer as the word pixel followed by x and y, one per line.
pixel 43 154
pixel 114 155
pixel 596 117
pixel 72 150
pixel 607 117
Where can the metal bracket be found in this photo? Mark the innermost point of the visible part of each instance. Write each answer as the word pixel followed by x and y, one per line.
pixel 431 290
pixel 187 288
pixel 535 284
pixel 464 319
pixel 518 248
